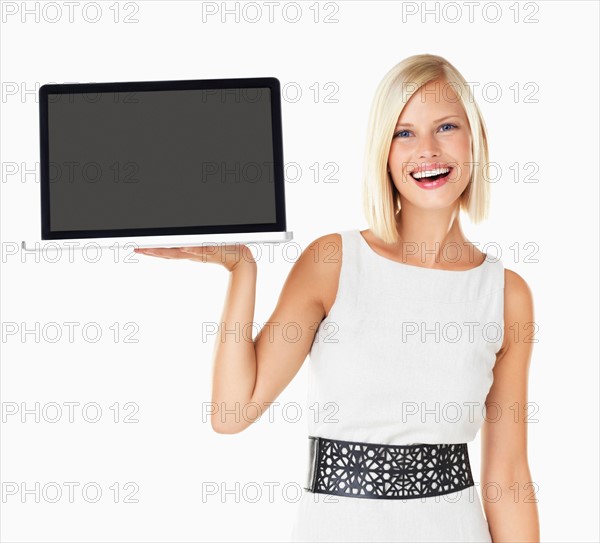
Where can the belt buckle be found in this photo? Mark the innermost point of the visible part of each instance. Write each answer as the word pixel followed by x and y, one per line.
pixel 313 454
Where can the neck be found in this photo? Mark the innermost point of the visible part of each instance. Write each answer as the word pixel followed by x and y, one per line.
pixel 431 236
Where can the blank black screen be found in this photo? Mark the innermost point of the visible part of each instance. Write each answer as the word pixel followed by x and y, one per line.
pixel 160 159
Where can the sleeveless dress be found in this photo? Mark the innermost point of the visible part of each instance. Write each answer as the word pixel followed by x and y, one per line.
pixel 405 356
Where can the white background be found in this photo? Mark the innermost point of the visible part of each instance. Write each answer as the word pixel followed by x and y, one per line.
pixel 172 451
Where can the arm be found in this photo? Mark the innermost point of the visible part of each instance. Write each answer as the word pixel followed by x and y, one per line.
pixel 508 491
pixel 256 371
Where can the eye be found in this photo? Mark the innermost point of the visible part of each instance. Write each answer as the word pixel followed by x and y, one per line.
pixel 403 133
pixel 448 124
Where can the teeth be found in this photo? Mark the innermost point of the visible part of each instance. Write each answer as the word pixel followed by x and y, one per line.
pixel 430 173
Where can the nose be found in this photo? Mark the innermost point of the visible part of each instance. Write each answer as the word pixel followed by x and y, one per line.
pixel 428 146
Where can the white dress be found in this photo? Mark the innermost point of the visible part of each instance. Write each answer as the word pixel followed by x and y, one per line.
pixel 405 356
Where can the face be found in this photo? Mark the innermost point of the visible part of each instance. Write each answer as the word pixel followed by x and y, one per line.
pixel 432 137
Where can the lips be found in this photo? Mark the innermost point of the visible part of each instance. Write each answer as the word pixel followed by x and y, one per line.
pixel 430 174
pixel 426 166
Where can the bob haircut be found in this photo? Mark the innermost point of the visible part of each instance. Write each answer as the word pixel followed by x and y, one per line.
pixel 381 199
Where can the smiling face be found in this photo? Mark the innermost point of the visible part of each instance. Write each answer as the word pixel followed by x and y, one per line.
pixel 430 154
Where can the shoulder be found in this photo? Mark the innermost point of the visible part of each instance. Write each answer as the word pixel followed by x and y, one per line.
pixel 517 295
pixel 518 309
pixel 333 238
pixel 321 250
pixel 320 265
pixel 323 255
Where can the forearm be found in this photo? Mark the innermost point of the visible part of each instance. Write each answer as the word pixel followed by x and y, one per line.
pixel 511 508
pixel 234 366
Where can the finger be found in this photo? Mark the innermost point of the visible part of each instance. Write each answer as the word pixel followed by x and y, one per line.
pixel 176 253
pixel 150 253
pixel 162 253
pixel 199 254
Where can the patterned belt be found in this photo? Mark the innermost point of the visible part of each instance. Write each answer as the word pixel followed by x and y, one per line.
pixel 371 470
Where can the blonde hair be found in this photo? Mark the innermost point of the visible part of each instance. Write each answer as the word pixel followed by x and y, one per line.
pixel 381 199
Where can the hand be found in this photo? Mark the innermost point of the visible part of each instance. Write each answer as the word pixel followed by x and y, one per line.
pixel 229 256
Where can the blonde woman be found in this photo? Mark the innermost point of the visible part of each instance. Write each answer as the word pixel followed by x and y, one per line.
pixel 417 339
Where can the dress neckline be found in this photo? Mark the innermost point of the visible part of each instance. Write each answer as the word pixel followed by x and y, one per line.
pixel 369 249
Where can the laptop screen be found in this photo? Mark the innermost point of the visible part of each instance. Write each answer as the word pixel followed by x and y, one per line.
pixel 155 160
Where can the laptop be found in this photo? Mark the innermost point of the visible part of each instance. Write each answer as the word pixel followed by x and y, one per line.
pixel 161 164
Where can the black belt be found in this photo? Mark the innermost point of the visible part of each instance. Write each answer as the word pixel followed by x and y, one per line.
pixel 371 470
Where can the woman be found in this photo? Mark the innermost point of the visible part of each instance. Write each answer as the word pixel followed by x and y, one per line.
pixel 405 327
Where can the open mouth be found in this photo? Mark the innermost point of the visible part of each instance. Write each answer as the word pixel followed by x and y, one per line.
pixel 431 175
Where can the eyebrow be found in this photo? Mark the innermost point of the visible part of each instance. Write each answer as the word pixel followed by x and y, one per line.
pixel 434 122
